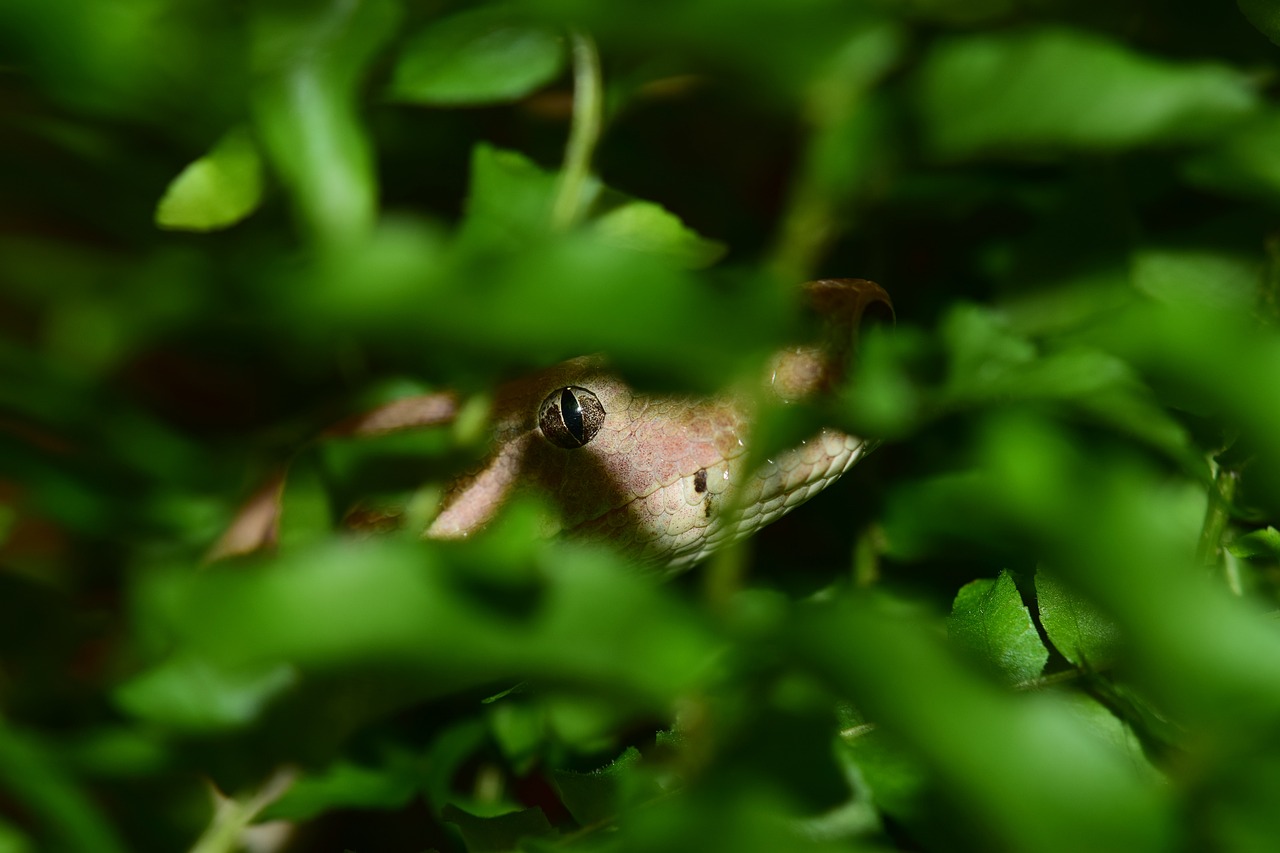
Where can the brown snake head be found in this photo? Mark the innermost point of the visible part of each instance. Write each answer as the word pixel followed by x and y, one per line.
pixel 661 477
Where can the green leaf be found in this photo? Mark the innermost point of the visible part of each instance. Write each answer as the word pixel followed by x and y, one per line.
pixel 216 191
pixel 305 511
pixel 899 781
pixel 477 57
pixel 1258 543
pixel 445 613
pixel 990 364
pixel 13 840
pixel 593 797
pixel 119 752
pixel 520 287
pixel 1198 279
pixel 189 694
pixel 1031 775
pixel 1111 730
pixel 1263 14
pixel 500 833
pixel 1013 92
pixel 311 60
pixel 989 619
pixel 1245 162
pixel 41 789
pixel 509 198
pixel 520 730
pixel 347 785
pixel 1076 628
pixel 643 226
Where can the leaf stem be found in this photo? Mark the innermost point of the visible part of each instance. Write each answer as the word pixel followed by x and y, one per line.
pixel 584 132
pixel 232 816
pixel 1216 517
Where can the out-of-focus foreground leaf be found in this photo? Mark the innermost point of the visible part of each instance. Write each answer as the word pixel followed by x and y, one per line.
pixel 1075 483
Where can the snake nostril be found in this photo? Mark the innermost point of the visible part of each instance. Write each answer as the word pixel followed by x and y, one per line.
pixel 570 417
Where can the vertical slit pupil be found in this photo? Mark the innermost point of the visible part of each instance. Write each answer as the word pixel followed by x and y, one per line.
pixel 571 413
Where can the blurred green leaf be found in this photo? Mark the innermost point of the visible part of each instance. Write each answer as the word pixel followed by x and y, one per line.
pixel 310 61
pixel 989 363
pixel 1079 632
pixel 1244 162
pixel 119 753
pixel 1191 644
pixel 989 620
pixel 1073 206
pixel 30 774
pixel 1008 92
pixel 453 747
pixel 347 785
pixel 1263 14
pixel 476 57
pixel 520 729
pixel 898 782
pixel 341 604
pixel 128 58
pixel 13 840
pixel 1111 729
pixel 1034 777
pixel 500 833
pixel 188 694
pixel 216 191
pixel 305 513
pixel 1198 280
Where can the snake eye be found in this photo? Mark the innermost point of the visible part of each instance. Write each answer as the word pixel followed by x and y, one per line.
pixel 570 417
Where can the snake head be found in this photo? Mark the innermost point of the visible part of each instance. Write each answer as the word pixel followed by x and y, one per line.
pixel 663 477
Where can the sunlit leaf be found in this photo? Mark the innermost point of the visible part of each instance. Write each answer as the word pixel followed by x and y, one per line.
pixel 989 620
pixel 216 191
pixel 1257 543
pixel 645 227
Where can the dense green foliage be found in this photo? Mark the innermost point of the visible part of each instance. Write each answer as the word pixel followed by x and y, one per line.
pixel 1040 617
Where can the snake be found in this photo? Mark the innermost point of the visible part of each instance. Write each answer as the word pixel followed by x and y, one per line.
pixel 667 479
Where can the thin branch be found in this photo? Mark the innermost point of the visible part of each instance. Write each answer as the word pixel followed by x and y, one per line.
pixel 1216 517
pixel 588 112
pixel 232 817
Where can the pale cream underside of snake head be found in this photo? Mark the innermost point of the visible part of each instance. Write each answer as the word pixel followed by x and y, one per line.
pixel 665 478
